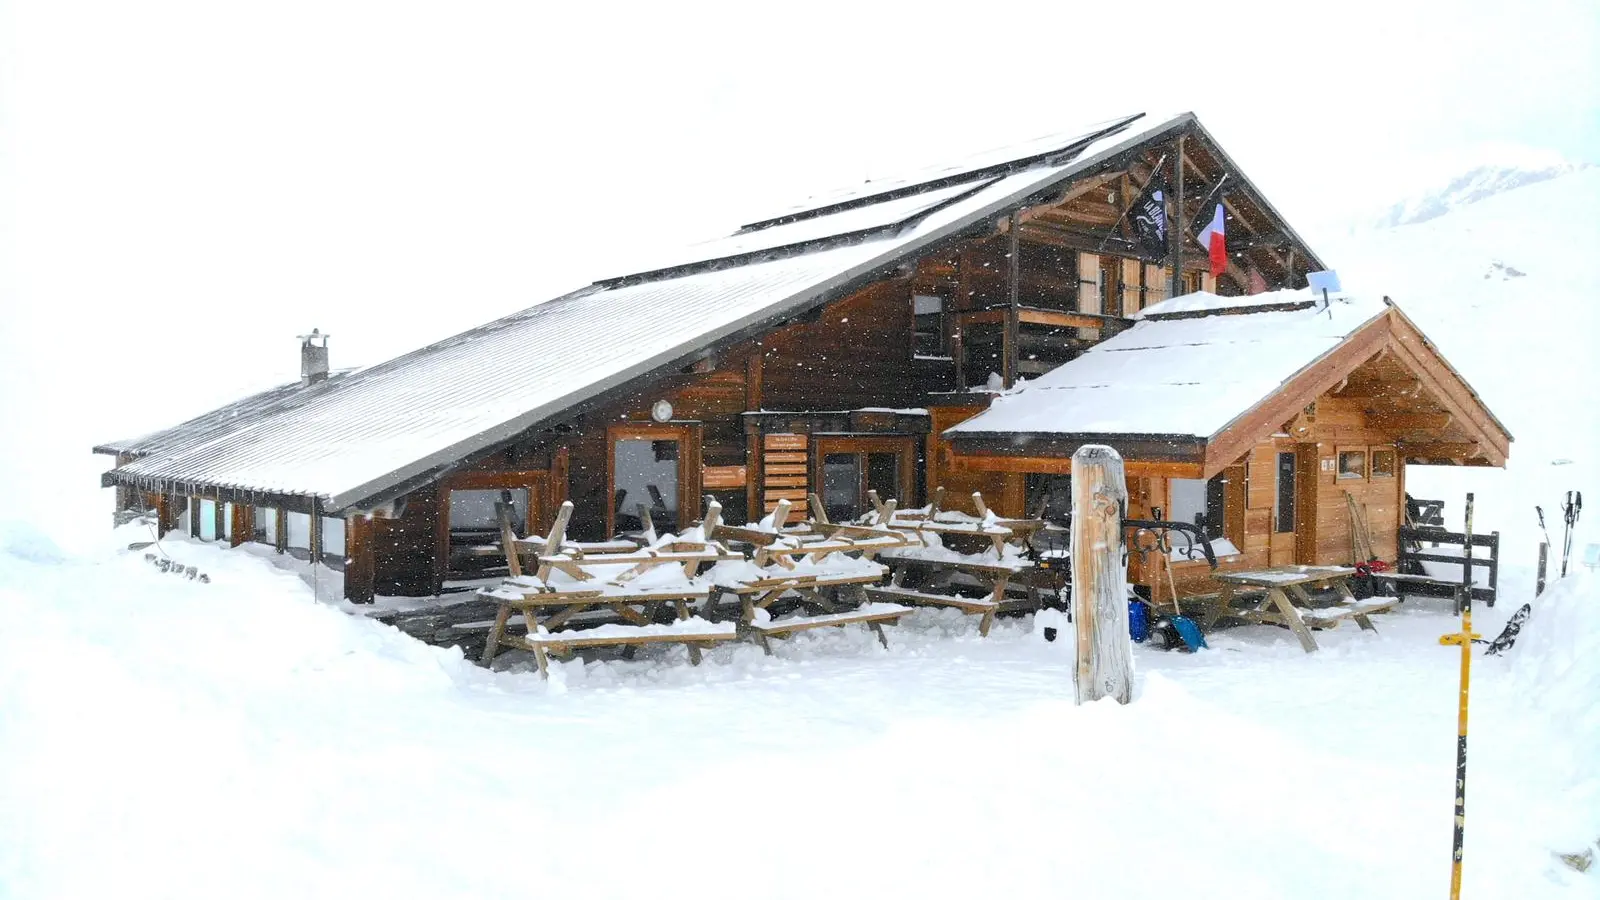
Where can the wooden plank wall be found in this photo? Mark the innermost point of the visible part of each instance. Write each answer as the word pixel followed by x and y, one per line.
pixel 1001 490
pixel 404 550
pixel 1341 423
pixel 1322 514
pixel 856 354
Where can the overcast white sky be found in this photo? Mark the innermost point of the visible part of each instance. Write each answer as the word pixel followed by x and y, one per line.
pixel 188 180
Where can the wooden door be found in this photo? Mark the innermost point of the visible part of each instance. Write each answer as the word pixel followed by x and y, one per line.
pixel 845 468
pixel 656 467
pixel 1285 507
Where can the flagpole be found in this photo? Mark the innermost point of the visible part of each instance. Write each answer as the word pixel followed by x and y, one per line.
pixel 1175 235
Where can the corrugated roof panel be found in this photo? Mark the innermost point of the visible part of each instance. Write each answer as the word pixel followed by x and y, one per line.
pixel 976 162
pixel 219 421
pixel 851 221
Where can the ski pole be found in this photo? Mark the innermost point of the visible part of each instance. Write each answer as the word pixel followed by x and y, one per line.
pixel 1569 515
pixel 1540 511
pixel 1464 639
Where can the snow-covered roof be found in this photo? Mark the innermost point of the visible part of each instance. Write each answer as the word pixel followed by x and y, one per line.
pixel 387 425
pixel 220 421
pixel 1183 376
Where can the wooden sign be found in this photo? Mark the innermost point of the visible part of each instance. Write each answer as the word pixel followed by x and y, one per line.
pixel 722 477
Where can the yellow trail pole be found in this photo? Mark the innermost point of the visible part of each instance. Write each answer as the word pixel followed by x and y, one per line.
pixel 1464 638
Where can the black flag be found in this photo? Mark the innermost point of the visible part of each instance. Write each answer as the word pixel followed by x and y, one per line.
pixel 1149 216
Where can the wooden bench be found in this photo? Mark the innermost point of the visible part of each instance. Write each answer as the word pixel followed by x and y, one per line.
pixel 942 572
pixel 1412 577
pixel 873 615
pixel 1331 616
pixel 693 632
pixel 984 606
pixel 811 590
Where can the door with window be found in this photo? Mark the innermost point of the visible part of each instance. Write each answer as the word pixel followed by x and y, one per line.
pixel 1285 509
pixel 845 468
pixel 652 471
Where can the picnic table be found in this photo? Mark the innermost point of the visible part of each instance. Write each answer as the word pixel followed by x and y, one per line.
pixel 1282 595
pixel 820 573
pixel 937 575
pixel 647 593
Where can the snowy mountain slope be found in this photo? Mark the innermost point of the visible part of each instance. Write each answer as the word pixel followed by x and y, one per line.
pixel 1508 288
pixel 1477 183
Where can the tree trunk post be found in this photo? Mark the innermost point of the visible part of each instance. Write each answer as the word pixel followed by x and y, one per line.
pixel 1099 576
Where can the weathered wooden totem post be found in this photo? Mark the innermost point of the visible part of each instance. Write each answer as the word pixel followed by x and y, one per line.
pixel 1099 575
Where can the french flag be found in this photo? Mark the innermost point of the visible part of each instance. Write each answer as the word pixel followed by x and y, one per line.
pixel 1212 238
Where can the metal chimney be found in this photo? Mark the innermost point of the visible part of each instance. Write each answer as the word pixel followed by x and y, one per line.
pixel 313 357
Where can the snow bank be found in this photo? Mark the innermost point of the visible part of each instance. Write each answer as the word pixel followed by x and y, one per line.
pixel 1555 670
pixel 21 540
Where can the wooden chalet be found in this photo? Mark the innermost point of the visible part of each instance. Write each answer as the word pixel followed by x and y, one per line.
pixel 831 349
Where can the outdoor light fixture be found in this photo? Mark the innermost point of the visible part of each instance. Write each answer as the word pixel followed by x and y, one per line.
pixel 661 411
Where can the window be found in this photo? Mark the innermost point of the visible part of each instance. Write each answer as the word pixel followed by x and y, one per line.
pixel 299 530
pixel 1286 490
pixel 1352 464
pixel 1198 502
pixel 645 473
pixel 846 478
pixel 208 520
pixel 1383 463
pixel 332 536
pixel 266 525
pixel 474 511
pixel 1049 497
pixel 927 328
pixel 841 485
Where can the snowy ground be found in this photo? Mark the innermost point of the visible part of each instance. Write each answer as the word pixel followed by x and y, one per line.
pixel 166 738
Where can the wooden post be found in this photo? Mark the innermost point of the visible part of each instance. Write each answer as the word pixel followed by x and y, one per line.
pixel 1099 577
pixel 1176 226
pixel 1008 340
pixel 358 566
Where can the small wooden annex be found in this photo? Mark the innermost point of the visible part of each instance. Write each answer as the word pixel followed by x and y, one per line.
pixel 826 349
pixel 1275 422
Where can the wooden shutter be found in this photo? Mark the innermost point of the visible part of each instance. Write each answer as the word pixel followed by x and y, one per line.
pixel 1132 278
pixel 1156 282
pixel 1089 291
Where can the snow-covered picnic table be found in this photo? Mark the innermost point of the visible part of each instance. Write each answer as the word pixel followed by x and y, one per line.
pixel 935 568
pixel 650 590
pixel 820 573
pixel 1281 595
